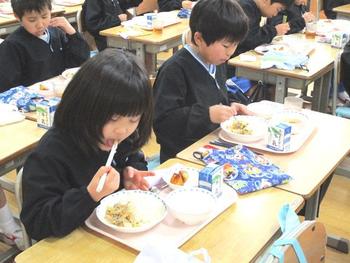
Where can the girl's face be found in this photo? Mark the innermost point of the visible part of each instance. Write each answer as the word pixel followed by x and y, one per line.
pixel 118 129
pixel 216 53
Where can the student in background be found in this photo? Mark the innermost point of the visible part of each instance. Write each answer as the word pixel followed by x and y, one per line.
pixel 103 14
pixel 190 94
pixel 43 47
pixel 297 15
pixel 258 35
pixel 344 89
pixel 169 5
pixel 109 100
pixel 328 6
pixel 10 231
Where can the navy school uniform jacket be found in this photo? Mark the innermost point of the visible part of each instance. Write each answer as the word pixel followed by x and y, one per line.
pixel 183 93
pixel 294 18
pixel 169 5
pixel 55 179
pixel 103 14
pixel 26 59
pixel 256 35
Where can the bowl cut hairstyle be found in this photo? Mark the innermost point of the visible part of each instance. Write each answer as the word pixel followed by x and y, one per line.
pixel 111 83
pixel 217 20
pixel 20 7
pixel 286 3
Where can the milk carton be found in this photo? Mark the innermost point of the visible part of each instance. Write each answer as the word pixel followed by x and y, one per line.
pixel 339 39
pixel 211 178
pixel 279 137
pixel 45 111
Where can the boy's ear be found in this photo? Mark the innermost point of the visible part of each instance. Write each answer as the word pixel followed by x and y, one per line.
pixel 17 17
pixel 198 38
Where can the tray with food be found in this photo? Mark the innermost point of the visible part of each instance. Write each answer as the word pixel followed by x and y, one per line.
pixel 168 218
pixel 252 131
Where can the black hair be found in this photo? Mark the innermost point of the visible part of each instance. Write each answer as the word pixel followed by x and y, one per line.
pixel 111 83
pixel 285 3
pixel 218 19
pixel 20 7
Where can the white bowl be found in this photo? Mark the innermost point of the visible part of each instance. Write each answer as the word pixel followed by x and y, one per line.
pixel 191 205
pixel 256 125
pixel 264 109
pixel 148 207
pixel 192 180
pixel 297 120
pixel 68 74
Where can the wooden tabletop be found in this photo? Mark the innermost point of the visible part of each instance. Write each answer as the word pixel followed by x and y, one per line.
pixel 169 33
pixel 237 235
pixel 343 9
pixel 18 138
pixel 321 61
pixel 310 166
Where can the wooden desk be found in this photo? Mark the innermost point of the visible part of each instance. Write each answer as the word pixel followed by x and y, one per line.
pixel 10 24
pixel 320 65
pixel 312 164
pixel 16 142
pixel 239 234
pixel 343 12
pixel 147 46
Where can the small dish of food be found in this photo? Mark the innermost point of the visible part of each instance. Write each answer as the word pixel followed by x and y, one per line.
pixel 297 120
pixel 131 211
pixel 180 176
pixel 68 74
pixel 244 128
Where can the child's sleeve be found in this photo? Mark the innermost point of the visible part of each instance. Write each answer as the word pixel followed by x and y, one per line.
pixel 76 50
pixel 10 67
pixel 169 5
pixel 51 205
pixel 95 17
pixel 125 4
pixel 295 20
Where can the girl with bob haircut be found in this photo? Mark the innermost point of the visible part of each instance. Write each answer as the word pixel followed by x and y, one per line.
pixel 108 101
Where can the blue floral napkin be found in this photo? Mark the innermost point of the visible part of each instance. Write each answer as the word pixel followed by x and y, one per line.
pixel 21 98
pixel 246 171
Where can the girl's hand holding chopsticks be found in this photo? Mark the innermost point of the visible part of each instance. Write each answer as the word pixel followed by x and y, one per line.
pixel 110 185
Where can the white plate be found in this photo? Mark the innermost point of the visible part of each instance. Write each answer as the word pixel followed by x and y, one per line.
pixel 267 47
pixel 265 108
pixel 256 124
pixel 167 173
pixel 148 207
pixel 297 120
pixel 9 114
pixel 68 74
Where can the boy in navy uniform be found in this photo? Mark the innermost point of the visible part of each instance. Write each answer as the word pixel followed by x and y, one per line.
pixel 190 94
pixel 43 47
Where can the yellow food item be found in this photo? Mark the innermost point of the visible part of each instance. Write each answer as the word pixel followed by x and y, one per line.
pixel 43 87
pixel 179 178
pixel 240 127
pixel 122 215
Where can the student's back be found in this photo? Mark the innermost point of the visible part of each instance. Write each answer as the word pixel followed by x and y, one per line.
pixel 103 14
pixel 41 49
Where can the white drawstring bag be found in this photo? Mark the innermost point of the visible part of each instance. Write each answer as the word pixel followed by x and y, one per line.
pixel 159 254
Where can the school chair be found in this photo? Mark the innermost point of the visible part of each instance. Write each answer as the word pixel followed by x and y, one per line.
pixel 300 242
pixel 27 242
pixel 88 37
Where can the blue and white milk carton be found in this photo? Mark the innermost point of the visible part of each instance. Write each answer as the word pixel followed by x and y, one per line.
pixel 45 111
pixel 211 178
pixel 279 137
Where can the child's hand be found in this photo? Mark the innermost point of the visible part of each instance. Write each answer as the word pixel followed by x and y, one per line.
pixel 220 113
pixel 241 109
pixel 111 184
pixel 133 179
pixel 187 4
pixel 123 17
pixel 62 23
pixel 308 17
pixel 282 29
